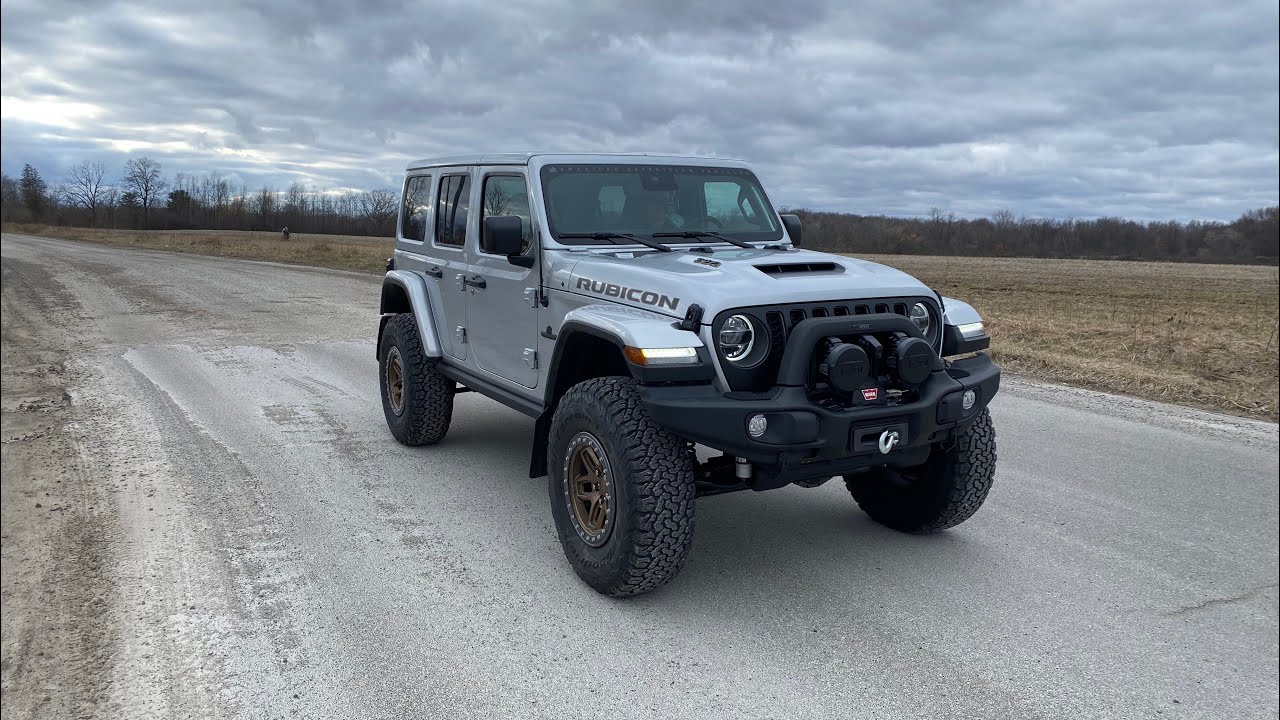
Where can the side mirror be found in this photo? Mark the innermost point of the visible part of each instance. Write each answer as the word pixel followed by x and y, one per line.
pixel 792 224
pixel 501 235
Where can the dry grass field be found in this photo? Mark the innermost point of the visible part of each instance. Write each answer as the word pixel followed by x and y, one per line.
pixel 1202 335
pixel 1193 334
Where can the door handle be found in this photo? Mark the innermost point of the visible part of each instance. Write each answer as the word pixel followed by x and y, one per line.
pixel 475 282
pixel 435 272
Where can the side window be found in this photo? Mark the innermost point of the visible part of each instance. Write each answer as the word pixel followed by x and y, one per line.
pixel 508 195
pixel 451 210
pixel 722 204
pixel 413 210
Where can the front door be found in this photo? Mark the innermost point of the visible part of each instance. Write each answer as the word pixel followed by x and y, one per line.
pixel 504 312
pixel 449 247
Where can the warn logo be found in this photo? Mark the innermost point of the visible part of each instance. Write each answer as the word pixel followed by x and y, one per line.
pixel 870 394
pixel 648 297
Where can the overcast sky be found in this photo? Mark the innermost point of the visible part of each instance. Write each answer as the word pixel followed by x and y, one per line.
pixel 1151 110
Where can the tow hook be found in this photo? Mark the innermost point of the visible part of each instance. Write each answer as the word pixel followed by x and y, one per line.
pixel 888 441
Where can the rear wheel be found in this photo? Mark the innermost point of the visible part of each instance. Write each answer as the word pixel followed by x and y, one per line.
pixel 943 492
pixel 621 489
pixel 416 399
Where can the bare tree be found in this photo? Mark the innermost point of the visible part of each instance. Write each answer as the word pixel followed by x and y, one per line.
pixel 265 205
pixel 142 178
pixel 86 187
pixel 378 207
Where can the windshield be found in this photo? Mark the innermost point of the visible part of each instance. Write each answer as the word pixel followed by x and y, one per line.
pixel 645 200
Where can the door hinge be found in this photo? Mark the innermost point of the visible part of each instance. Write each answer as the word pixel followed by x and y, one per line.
pixel 461 334
pixel 531 297
pixel 531 358
pixel 462 281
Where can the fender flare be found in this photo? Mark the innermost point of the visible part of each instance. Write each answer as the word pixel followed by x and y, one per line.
pixel 954 314
pixel 621 326
pixel 406 292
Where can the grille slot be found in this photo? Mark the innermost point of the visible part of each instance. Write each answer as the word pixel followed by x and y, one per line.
pixel 777 326
pixel 780 322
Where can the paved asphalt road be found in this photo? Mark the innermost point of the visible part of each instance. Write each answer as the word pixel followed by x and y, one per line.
pixel 274 553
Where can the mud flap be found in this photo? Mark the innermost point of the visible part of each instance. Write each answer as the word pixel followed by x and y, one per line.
pixel 541 433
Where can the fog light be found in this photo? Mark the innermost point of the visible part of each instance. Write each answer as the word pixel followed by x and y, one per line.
pixel 968 399
pixel 757 425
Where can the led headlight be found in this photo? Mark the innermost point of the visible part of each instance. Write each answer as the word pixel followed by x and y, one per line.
pixel 737 338
pixel 920 316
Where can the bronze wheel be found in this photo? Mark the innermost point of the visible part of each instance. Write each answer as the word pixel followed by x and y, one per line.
pixel 395 381
pixel 588 489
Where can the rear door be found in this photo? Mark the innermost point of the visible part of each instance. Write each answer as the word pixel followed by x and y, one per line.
pixel 449 247
pixel 414 251
pixel 504 312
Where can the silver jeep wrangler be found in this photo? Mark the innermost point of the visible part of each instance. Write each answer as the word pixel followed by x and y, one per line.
pixel 658 319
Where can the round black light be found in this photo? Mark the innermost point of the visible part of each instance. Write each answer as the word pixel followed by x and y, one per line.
pixel 846 367
pixel 912 361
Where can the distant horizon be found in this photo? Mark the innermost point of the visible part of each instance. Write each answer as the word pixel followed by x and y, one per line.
pixel 780 206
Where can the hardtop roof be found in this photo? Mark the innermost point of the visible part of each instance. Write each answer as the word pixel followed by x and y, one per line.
pixel 524 158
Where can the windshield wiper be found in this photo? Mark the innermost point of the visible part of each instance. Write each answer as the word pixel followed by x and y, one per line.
pixel 692 234
pixel 612 235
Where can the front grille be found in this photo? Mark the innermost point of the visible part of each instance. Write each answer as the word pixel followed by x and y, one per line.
pixel 779 320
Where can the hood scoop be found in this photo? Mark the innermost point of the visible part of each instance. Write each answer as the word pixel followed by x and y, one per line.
pixel 792 269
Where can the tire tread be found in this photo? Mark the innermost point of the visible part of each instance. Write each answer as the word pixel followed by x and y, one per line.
pixel 957 481
pixel 428 407
pixel 656 464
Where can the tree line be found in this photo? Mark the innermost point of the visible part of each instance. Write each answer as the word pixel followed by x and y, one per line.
pixel 1253 238
pixel 142 197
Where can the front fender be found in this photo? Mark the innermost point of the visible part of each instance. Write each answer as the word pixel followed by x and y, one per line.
pixel 962 328
pixel 630 326
pixel 406 292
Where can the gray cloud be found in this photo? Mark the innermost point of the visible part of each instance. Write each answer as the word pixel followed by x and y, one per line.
pixel 1144 109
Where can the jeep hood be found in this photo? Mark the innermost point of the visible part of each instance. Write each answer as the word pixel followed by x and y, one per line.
pixel 669 282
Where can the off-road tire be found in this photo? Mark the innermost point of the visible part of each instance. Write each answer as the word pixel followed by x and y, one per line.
pixel 943 492
pixel 653 489
pixel 427 404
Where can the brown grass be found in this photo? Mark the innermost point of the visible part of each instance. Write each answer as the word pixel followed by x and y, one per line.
pixel 1201 335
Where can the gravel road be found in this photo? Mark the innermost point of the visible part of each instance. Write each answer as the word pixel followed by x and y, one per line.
pixel 205 516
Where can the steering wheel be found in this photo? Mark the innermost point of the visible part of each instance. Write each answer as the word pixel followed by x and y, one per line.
pixel 707 219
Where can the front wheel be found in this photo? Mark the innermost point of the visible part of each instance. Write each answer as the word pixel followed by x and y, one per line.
pixel 621 489
pixel 943 492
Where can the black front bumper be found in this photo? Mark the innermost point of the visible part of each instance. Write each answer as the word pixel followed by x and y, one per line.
pixel 805 440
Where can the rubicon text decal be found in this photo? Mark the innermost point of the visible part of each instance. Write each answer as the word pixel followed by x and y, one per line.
pixel 648 297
